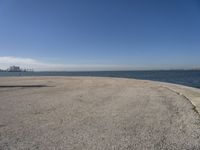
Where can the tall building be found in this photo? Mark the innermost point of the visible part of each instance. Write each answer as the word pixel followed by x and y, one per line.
pixel 14 69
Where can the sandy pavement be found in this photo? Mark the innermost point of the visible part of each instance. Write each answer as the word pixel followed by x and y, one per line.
pixel 88 113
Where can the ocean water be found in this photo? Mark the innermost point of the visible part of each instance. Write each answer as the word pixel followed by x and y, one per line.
pixel 184 77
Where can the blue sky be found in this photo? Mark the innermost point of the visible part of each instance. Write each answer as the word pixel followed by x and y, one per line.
pixel 100 34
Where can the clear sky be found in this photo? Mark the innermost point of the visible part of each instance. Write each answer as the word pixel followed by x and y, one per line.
pixel 100 34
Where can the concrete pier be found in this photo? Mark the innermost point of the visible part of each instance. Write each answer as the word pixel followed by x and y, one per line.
pixel 75 113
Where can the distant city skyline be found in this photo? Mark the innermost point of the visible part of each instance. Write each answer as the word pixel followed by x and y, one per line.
pixel 58 35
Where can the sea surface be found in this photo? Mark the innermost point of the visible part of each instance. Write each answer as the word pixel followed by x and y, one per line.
pixel 184 77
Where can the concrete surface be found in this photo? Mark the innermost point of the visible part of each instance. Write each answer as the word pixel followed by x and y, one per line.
pixel 79 113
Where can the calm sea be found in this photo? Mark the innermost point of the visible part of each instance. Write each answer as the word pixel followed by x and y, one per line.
pixel 188 78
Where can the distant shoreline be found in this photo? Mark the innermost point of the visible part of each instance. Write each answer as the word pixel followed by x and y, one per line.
pixel 183 77
pixel 109 70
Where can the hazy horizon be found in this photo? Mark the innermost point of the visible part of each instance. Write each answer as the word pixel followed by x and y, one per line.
pixel 95 35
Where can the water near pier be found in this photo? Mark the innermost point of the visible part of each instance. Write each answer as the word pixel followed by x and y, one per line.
pixel 188 78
